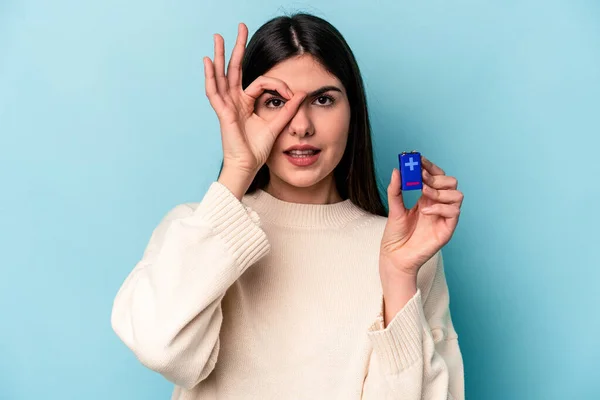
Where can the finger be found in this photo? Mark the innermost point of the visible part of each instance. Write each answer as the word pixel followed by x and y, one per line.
pixel 210 85
pixel 439 181
pixel 220 64
pixel 394 193
pixel 234 69
pixel 262 83
pixel 431 167
pixel 443 196
pixel 286 113
pixel 443 210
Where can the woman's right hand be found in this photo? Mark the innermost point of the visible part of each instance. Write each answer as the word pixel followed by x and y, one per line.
pixel 247 138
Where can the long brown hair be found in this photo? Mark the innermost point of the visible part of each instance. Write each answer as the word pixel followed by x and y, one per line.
pixel 287 36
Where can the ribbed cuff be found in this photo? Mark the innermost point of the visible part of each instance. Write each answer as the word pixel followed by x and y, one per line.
pixel 236 224
pixel 400 344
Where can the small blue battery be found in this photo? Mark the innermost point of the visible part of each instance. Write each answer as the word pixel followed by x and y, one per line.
pixel 410 170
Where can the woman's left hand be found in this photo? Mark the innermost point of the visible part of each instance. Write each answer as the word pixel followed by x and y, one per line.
pixel 413 236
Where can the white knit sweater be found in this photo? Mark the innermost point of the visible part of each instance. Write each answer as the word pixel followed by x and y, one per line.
pixel 266 299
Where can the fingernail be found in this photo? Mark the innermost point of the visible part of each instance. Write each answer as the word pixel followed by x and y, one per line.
pixel 290 93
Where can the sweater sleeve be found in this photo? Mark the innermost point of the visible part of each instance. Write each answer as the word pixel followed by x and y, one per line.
pixel 168 310
pixel 417 356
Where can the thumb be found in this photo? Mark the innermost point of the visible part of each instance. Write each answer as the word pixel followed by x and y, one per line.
pixel 394 192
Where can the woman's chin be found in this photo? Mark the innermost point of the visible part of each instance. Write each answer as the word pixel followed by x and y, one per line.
pixel 301 182
pixel 300 179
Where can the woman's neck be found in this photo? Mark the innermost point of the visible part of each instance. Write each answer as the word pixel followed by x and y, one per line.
pixel 323 192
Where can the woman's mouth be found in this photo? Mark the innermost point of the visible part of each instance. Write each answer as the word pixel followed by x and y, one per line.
pixel 302 158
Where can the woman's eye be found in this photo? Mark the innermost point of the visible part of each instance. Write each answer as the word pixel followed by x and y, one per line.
pixel 274 103
pixel 324 100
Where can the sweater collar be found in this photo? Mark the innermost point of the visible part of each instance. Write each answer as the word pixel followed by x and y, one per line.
pixel 279 212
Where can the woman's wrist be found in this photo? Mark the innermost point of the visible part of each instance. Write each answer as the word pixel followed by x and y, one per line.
pixel 397 291
pixel 236 181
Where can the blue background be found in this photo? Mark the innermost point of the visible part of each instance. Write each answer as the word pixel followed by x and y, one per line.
pixel 104 126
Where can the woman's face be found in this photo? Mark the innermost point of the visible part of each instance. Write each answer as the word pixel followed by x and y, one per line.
pixel 322 121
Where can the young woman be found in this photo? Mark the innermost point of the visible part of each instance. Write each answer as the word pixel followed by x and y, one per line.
pixel 288 280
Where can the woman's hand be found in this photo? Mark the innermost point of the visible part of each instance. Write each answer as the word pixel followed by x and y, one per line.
pixel 411 237
pixel 247 139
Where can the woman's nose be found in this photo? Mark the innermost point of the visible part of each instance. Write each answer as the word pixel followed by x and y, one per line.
pixel 301 125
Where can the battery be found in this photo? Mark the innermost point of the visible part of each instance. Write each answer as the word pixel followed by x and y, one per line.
pixel 410 170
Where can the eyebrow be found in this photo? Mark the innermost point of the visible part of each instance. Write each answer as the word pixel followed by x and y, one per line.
pixel 314 93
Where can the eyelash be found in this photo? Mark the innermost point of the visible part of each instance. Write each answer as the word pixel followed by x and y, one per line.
pixel 323 96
